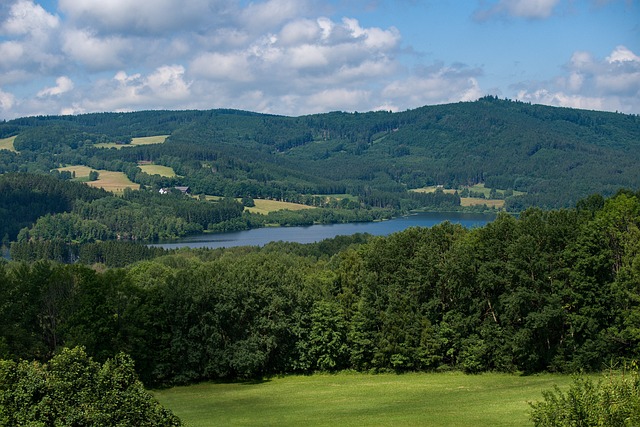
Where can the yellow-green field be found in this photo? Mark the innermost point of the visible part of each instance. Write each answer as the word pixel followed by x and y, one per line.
pixel 158 170
pixel 432 189
pixel 147 140
pixel 476 201
pixel 348 399
pixel 7 144
pixel 115 182
pixel 265 206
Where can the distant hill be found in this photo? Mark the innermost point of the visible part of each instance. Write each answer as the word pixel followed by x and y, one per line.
pixel 554 155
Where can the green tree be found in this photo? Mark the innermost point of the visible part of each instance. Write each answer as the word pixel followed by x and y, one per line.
pixel 73 390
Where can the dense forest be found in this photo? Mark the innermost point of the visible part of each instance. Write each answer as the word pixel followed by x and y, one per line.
pixel 548 291
pixel 535 155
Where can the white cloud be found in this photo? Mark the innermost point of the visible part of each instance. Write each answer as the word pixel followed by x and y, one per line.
pixel 611 83
pixel 622 54
pixel 94 52
pixel 336 99
pixel 11 52
pixel 528 9
pixel 300 32
pixel 232 66
pixel 167 82
pixel 260 17
pixel 7 101
pixel 438 85
pixel 144 16
pixel 28 18
pixel 63 84
pixel 165 87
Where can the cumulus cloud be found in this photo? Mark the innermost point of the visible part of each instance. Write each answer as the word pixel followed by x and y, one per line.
pixel 436 85
pixel 7 101
pixel 63 84
pixel 26 17
pixel 610 83
pixel 164 87
pixel 31 36
pixel 93 52
pixel 528 9
pixel 143 16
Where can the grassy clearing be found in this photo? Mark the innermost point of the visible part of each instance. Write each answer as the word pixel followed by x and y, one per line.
pixel 432 189
pixel 265 206
pixel 115 182
pixel 446 399
pixel 476 201
pixel 146 140
pixel 7 144
pixel 158 170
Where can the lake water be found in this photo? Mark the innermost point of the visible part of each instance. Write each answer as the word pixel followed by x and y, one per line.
pixel 316 233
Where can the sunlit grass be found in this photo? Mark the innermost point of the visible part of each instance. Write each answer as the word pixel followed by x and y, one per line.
pixel 158 170
pixel 112 181
pixel 146 140
pixel 445 399
pixel 263 206
pixel 7 144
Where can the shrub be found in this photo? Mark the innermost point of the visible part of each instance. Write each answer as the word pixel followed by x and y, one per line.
pixel 612 401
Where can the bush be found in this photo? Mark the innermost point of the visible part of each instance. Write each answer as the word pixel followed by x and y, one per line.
pixel 612 401
pixel 72 389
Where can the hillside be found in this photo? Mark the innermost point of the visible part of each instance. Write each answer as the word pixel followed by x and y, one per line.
pixel 555 156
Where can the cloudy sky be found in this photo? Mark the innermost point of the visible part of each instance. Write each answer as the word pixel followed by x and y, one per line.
pixel 296 57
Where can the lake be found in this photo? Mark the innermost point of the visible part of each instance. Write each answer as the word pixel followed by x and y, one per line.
pixel 316 233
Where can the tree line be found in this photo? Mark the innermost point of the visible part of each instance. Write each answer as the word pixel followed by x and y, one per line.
pixel 548 291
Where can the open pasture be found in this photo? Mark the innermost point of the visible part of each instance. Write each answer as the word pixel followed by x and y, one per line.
pixel 349 399
pixel 263 206
pixel 7 144
pixel 432 189
pixel 157 170
pixel 115 182
pixel 476 201
pixel 145 140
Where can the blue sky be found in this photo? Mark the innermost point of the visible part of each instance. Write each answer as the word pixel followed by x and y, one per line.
pixel 297 57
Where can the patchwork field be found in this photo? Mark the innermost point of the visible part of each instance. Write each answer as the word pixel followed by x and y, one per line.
pixel 158 170
pixel 147 140
pixel 347 399
pixel 115 182
pixel 7 144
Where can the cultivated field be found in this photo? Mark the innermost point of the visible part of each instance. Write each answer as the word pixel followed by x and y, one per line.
pixel 115 182
pixel 7 144
pixel 147 140
pixel 418 399
pixel 158 170
pixel 265 206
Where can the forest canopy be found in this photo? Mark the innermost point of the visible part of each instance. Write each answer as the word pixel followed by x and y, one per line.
pixel 548 291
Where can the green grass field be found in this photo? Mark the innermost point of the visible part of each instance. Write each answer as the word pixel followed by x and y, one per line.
pixel 158 170
pixel 265 206
pixel 115 182
pixel 348 399
pixel 146 140
pixel 7 144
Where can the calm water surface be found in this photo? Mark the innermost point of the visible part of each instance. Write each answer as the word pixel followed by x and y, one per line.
pixel 316 233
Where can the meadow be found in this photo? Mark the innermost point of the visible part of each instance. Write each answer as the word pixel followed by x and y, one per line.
pixel 7 144
pixel 115 182
pixel 263 206
pixel 152 169
pixel 145 140
pixel 351 399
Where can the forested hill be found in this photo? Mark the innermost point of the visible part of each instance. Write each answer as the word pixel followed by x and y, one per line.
pixel 555 156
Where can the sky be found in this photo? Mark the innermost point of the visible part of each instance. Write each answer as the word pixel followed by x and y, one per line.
pixel 298 57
